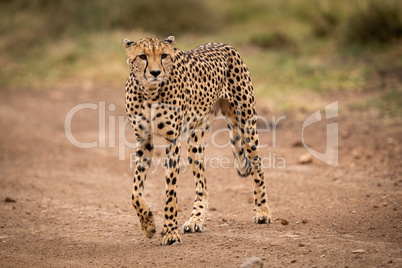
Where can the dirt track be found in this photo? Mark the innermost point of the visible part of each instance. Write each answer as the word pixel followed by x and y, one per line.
pixel 73 206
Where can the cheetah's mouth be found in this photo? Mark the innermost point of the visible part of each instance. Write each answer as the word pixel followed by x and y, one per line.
pixel 155 80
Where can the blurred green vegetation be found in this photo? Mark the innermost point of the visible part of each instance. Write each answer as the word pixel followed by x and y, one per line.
pixel 375 22
pixel 296 50
pixel 390 102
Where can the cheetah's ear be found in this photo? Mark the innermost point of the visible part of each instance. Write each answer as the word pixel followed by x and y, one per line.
pixel 171 40
pixel 128 43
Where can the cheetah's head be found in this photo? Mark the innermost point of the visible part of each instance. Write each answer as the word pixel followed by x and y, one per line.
pixel 150 59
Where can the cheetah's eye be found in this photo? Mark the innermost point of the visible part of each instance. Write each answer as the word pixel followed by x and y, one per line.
pixel 164 56
pixel 143 57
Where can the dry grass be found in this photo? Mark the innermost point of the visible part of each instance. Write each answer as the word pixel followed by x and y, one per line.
pixel 294 51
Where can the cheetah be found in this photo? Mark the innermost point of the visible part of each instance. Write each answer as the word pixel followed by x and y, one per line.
pixel 174 93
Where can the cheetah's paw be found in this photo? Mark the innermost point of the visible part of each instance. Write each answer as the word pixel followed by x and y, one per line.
pixel 148 226
pixel 193 226
pixel 171 237
pixel 262 215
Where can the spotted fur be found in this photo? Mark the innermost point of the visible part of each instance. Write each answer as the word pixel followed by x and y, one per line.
pixel 173 93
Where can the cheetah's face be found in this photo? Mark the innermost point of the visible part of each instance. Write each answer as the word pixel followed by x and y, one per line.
pixel 150 59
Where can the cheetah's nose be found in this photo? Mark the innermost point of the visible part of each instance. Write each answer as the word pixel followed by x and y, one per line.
pixel 155 73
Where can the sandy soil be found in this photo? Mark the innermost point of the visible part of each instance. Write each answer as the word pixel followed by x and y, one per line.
pixel 73 209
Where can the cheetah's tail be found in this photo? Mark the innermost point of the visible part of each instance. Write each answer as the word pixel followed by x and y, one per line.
pixel 242 164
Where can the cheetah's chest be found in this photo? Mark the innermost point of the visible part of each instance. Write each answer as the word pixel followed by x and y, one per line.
pixel 158 119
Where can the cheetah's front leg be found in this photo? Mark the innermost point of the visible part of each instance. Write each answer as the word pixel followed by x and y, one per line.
pixel 195 151
pixel 142 163
pixel 170 232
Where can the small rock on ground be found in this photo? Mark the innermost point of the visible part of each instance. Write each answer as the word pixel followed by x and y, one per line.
pixel 9 200
pixel 305 158
pixel 253 262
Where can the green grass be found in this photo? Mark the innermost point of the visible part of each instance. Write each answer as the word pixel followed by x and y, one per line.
pixel 295 49
pixel 374 22
pixel 388 103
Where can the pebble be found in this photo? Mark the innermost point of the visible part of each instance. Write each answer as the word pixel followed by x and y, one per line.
pixel 359 251
pixel 253 262
pixel 9 200
pixel 305 158
pixel 345 134
pixel 355 154
pixel 297 143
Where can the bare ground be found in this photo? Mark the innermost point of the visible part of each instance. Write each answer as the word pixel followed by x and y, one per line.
pixel 73 209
